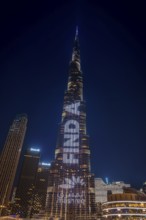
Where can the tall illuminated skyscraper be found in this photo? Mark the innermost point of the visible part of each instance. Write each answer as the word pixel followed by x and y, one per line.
pixel 71 193
pixel 9 157
pixel 25 193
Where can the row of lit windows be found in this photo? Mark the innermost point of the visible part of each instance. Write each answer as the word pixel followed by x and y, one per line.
pixel 124 204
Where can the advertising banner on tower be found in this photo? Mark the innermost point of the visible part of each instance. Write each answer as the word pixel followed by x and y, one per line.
pixel 71 135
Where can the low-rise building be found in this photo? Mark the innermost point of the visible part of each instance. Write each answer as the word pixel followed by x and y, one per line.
pixel 131 204
pixel 102 188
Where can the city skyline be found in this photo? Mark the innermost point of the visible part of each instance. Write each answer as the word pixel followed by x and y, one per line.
pixel 34 64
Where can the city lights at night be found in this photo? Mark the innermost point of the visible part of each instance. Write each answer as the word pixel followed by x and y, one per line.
pixel 35 149
pixel 45 164
pixel 73 110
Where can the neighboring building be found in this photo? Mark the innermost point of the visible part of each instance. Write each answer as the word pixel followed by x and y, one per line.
pixel 144 187
pixel 102 188
pixel 9 157
pixel 26 186
pixel 71 185
pixel 131 204
pixel 41 185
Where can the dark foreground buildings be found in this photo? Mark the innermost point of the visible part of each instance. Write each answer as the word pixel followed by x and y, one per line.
pixel 71 185
pixel 31 191
pixel 9 157
pixel 25 192
pixel 41 185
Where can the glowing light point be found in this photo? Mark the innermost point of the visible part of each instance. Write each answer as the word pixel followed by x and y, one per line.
pixel 46 164
pixel 107 180
pixel 35 149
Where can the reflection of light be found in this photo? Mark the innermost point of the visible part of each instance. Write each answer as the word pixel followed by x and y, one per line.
pixel 35 149
pixel 2 206
pixel 46 164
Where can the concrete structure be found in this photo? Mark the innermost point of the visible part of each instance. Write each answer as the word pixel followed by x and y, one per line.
pixel 102 188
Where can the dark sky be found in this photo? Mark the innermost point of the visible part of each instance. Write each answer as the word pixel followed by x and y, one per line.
pixel 36 40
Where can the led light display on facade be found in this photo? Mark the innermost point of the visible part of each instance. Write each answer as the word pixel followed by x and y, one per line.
pixel 71 136
pixel 71 185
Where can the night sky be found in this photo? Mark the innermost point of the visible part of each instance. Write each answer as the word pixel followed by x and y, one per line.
pixel 36 41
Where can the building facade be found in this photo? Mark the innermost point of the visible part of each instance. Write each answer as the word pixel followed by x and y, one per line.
pixel 41 185
pixel 131 204
pixel 71 185
pixel 24 199
pixel 102 188
pixel 9 157
pixel 144 187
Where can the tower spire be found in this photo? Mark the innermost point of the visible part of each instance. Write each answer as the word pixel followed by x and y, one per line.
pixel 76 50
pixel 77 32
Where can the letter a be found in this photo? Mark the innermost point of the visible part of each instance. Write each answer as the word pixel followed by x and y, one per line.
pixel 73 108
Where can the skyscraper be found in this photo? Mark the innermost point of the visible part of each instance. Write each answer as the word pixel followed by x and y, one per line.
pixel 41 185
pixel 26 185
pixel 9 157
pixel 71 193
